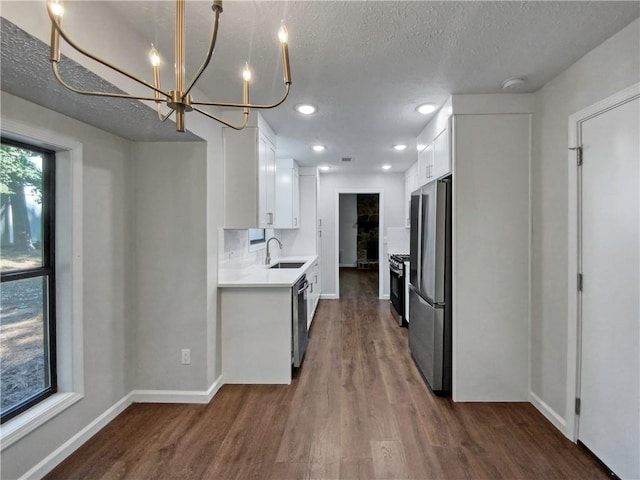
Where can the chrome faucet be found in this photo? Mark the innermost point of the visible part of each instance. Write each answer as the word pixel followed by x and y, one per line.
pixel 267 260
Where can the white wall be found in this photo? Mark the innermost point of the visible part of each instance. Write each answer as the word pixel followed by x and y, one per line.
pixel 106 276
pixel 607 69
pixel 348 241
pixel 391 209
pixel 169 241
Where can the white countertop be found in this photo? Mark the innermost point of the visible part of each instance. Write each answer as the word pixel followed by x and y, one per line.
pixel 236 275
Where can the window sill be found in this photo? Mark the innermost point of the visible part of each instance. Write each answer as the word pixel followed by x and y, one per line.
pixel 26 422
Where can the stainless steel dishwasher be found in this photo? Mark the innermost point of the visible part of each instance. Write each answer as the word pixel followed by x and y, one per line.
pixel 300 336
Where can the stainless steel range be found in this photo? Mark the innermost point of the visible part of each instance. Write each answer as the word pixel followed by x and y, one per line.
pixel 398 269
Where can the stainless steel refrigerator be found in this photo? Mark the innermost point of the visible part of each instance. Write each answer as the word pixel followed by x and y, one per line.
pixel 430 283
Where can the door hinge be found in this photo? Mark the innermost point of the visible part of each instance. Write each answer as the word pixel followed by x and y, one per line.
pixel 578 154
pixel 580 280
pixel 577 406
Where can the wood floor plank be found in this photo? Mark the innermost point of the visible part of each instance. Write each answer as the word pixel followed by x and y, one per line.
pixel 388 459
pixel 356 469
pixel 357 409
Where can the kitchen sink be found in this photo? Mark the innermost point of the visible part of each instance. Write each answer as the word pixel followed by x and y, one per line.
pixel 287 265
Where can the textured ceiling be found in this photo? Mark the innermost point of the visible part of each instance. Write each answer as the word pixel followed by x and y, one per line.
pixel 26 72
pixel 367 65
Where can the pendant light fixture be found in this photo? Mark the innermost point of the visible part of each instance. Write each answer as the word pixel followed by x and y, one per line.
pixel 179 99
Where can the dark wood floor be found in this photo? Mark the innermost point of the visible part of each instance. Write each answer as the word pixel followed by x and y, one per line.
pixel 357 409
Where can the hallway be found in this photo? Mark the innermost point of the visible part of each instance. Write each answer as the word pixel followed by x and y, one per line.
pixel 357 409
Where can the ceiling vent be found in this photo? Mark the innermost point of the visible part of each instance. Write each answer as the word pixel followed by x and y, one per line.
pixel 346 159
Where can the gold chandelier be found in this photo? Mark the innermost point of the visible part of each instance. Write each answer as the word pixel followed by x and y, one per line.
pixel 178 100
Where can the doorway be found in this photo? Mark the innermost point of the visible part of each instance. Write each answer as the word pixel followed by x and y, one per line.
pixel 607 309
pixel 359 244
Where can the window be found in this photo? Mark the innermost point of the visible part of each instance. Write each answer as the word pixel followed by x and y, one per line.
pixel 27 290
pixel 256 236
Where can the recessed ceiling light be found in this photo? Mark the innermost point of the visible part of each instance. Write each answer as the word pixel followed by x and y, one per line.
pixel 306 108
pixel 318 148
pixel 324 168
pixel 420 147
pixel 386 167
pixel 400 147
pixel 513 83
pixel 426 108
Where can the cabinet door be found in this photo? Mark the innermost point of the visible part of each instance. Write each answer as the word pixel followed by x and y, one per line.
pixel 441 155
pixel 266 182
pixel 425 165
pixel 296 197
pixel 271 184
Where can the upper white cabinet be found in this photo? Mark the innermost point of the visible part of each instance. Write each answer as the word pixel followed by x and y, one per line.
pixel 287 194
pixel 441 154
pixel 250 176
pixel 434 160
pixel 425 164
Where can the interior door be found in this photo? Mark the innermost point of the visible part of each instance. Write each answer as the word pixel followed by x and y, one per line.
pixel 609 420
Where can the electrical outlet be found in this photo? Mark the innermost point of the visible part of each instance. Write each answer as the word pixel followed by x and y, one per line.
pixel 186 356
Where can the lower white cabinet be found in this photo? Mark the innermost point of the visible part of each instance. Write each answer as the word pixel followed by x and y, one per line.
pixel 256 335
pixel 313 277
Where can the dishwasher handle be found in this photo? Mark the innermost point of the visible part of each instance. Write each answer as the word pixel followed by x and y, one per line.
pixel 305 286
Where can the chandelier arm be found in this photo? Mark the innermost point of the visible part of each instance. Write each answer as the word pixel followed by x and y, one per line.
pixel 161 117
pixel 212 46
pixel 65 35
pixel 235 127
pixel 247 105
pixel 164 118
pixel 56 72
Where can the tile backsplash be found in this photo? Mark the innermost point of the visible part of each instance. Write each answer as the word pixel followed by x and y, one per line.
pixel 235 248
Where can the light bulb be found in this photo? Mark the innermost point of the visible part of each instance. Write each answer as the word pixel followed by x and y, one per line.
pixel 283 35
pixel 246 73
pixel 56 8
pixel 154 57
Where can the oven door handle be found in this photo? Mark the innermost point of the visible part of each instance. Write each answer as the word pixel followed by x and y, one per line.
pixel 398 272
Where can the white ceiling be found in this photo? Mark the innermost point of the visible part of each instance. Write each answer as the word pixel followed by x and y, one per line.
pixel 367 65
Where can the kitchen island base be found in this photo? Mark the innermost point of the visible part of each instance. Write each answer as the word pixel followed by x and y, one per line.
pixel 256 335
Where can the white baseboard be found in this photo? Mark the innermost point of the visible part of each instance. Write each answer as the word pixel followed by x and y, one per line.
pixel 75 442
pixel 136 396
pixel 177 396
pixel 550 414
pixel 385 296
pixel 328 296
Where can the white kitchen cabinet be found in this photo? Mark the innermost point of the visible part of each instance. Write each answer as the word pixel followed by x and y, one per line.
pixel 425 165
pixel 313 277
pixel 249 176
pixel 441 155
pixel 287 194
pixel 256 335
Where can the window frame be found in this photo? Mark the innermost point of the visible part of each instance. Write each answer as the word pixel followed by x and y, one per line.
pixel 46 271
